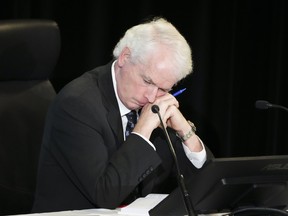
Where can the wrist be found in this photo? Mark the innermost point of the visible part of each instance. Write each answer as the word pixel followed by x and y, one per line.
pixel 189 134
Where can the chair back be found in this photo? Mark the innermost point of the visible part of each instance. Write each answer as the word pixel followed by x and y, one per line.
pixel 29 51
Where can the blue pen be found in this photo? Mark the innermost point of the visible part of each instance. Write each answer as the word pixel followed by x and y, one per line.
pixel 179 92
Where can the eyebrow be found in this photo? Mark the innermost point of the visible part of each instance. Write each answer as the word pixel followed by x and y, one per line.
pixel 151 81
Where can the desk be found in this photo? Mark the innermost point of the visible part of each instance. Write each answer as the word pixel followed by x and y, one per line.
pixel 139 207
pixel 93 212
pixel 87 212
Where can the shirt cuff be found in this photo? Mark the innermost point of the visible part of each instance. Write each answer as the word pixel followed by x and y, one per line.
pixel 196 158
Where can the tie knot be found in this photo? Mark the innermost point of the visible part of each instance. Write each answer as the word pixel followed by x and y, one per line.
pixel 132 119
pixel 132 116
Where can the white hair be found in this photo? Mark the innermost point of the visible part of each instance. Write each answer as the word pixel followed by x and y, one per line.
pixel 143 38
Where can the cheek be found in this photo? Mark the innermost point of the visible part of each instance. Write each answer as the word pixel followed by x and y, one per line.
pixel 139 90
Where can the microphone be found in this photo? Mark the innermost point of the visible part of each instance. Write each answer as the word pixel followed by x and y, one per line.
pixel 262 104
pixel 188 204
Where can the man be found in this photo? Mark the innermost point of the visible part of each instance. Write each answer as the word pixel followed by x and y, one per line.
pixel 86 161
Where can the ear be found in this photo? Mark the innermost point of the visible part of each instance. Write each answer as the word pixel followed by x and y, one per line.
pixel 124 56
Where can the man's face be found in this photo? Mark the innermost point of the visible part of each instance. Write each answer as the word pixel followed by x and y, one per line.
pixel 140 84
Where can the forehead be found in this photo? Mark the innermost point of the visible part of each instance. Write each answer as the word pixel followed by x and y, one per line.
pixel 159 76
pixel 160 70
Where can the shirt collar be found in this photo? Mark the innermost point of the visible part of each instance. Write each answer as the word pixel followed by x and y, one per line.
pixel 123 110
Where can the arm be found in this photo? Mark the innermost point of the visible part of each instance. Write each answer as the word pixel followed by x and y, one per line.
pixel 85 146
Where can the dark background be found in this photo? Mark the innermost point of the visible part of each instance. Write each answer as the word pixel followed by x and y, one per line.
pixel 239 52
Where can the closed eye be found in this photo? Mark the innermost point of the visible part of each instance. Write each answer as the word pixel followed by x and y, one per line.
pixel 150 82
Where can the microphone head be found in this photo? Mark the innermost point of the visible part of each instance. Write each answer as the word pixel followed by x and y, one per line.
pixel 155 109
pixel 262 104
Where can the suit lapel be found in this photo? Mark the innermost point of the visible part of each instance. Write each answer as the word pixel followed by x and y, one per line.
pixel 109 100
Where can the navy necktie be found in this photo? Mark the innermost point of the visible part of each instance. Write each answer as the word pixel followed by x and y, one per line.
pixel 132 119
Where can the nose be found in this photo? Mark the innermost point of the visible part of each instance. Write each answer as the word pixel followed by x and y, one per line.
pixel 151 94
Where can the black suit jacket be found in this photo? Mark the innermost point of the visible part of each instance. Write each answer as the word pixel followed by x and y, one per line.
pixel 85 162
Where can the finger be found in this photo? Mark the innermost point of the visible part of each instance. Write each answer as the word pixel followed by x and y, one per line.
pixel 168 99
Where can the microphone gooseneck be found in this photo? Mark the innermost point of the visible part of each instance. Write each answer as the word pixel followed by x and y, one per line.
pixel 187 202
pixel 262 104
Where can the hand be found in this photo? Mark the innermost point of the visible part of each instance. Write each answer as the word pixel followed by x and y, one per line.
pixel 148 120
pixel 171 116
pixel 174 119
